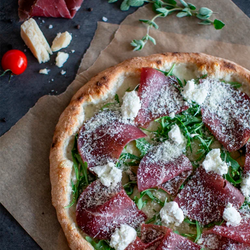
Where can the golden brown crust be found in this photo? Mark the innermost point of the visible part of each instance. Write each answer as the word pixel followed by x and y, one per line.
pixel 96 88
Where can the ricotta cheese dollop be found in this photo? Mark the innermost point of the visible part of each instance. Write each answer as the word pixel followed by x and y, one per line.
pixel 214 163
pixel 122 237
pixel 109 174
pixel 245 186
pixel 231 215
pixel 194 92
pixel 131 105
pixel 176 135
pixel 171 214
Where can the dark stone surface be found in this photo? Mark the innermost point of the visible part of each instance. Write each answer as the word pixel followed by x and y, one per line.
pixel 18 96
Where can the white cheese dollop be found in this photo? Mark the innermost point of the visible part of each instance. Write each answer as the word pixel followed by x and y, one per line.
pixel 131 105
pixel 171 214
pixel 122 237
pixel 231 215
pixel 61 58
pixel 214 163
pixel 245 186
pixel 194 92
pixel 109 174
pixel 176 135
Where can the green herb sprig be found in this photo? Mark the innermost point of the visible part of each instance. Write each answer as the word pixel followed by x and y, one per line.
pixel 166 8
pixel 127 159
pixel 99 245
pixel 143 145
pixel 107 105
pixel 196 236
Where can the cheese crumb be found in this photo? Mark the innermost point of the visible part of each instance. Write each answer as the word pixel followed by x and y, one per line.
pixel 131 105
pixel 122 237
pixel 44 71
pixel 171 214
pixel 35 40
pixel 108 174
pixel 176 135
pixel 172 115
pixel 50 26
pixel 61 58
pixel 104 19
pixel 214 163
pixel 231 215
pixel 62 40
pixel 63 72
pixel 194 92
pixel 245 187
pixel 72 51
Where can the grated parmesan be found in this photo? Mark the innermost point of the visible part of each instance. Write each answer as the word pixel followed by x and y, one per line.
pixel 245 187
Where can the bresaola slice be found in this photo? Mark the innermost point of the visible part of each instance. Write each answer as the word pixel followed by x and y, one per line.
pixel 160 165
pixel 206 195
pixel 48 8
pixel 159 97
pixel 177 242
pixel 246 169
pixel 101 209
pixel 226 114
pixel 103 137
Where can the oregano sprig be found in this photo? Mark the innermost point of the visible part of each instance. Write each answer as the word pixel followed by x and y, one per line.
pixel 166 8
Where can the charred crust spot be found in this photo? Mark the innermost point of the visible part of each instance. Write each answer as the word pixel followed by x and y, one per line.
pixel 98 84
pixel 158 62
pixel 104 78
pixel 54 143
pixel 79 98
pixel 229 66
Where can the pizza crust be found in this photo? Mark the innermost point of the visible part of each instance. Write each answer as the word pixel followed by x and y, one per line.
pixel 99 89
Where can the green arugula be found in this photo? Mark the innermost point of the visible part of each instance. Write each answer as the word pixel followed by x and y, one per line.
pixel 235 171
pixel 129 187
pixel 100 245
pixel 156 219
pixel 127 159
pixel 143 145
pixel 196 236
pixel 140 202
pixel 83 177
pixel 107 105
pixel 166 8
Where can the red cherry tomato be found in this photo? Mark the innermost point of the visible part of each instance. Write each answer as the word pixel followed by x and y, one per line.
pixel 15 60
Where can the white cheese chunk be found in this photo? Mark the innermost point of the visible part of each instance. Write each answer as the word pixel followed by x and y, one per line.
pixel 172 115
pixel 109 174
pixel 122 237
pixel 176 135
pixel 61 58
pixel 231 215
pixel 131 105
pixel 214 163
pixel 245 186
pixel 194 92
pixel 44 71
pixel 171 214
pixel 35 40
pixel 62 40
pixel 63 72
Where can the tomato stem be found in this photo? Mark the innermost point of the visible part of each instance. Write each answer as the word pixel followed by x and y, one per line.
pixel 6 71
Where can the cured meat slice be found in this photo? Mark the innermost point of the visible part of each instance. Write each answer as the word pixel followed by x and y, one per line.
pixel 177 242
pixel 247 160
pixel 137 244
pixel 217 242
pixel 226 114
pixel 152 235
pixel 101 209
pixel 159 96
pixel 239 233
pixel 163 163
pixel 103 137
pixel 206 195
pixel 172 186
pixel 48 8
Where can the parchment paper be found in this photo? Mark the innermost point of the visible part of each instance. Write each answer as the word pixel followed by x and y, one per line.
pixel 25 148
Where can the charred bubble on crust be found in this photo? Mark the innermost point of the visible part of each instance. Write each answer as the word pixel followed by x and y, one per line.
pixel 158 62
pixel 98 84
pixel 55 140
pixel 79 98
pixel 229 65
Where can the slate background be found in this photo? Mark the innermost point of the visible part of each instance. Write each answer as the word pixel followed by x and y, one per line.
pixel 18 96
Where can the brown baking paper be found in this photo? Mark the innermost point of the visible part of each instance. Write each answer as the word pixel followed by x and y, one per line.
pixel 24 156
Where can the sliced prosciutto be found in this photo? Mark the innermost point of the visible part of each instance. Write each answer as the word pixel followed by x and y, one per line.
pixel 160 165
pixel 177 242
pixel 100 210
pixel 206 195
pixel 159 96
pixel 247 160
pixel 103 137
pixel 226 114
pixel 48 8
pixel 137 244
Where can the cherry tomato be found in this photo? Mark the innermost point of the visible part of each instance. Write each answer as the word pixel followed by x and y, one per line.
pixel 14 60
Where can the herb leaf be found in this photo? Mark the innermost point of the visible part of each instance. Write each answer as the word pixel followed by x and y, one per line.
pixel 143 146
pixel 101 245
pixel 218 24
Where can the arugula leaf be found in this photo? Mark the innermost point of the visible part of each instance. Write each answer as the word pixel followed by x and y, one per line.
pixel 143 146
pixel 156 219
pixel 127 159
pixel 196 236
pixel 198 231
pixel 129 187
pixel 106 106
pixel 100 245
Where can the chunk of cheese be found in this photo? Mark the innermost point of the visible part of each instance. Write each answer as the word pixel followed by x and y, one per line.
pixel 61 58
pixel 44 71
pixel 231 215
pixel 62 40
pixel 35 40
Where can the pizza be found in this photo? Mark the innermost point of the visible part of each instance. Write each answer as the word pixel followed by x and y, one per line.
pixel 154 153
